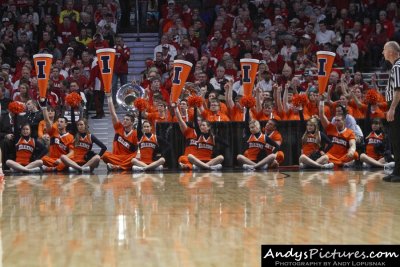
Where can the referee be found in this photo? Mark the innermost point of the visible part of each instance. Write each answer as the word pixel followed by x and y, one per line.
pixel 391 52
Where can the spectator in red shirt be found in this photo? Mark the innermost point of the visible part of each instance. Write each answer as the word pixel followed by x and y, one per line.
pixel 98 42
pixel 46 38
pixel 215 50
pixel 156 88
pixel 66 31
pixel 122 56
pixel 387 24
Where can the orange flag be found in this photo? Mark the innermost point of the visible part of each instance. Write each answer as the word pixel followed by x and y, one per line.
pixel 42 66
pixel 249 68
pixel 325 62
pixel 105 59
pixel 182 69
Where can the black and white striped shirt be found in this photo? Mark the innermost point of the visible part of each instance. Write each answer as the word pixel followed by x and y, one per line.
pixel 394 81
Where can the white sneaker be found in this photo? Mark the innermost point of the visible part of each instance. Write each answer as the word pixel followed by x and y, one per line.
pixel 137 168
pixel 248 167
pixel 349 164
pixel 264 167
pixel 216 167
pixel 70 169
pixel 159 168
pixel 47 169
pixel 328 165
pixel 389 165
pixel 110 167
pixel 35 170
pixel 86 169
pixel 366 165
pixel 195 167
pixel 301 165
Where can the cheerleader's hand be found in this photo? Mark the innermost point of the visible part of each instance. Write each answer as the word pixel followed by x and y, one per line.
pixel 42 103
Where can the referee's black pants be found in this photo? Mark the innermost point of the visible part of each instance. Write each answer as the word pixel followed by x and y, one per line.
pixel 394 132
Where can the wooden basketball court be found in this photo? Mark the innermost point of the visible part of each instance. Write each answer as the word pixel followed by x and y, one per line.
pixel 189 219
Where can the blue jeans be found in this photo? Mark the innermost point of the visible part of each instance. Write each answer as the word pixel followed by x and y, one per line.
pixel 123 78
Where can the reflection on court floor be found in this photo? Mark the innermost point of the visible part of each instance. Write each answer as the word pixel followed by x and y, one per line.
pixel 189 219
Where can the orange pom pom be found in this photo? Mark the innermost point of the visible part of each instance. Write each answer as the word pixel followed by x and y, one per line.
pixel 73 99
pixel 299 100
pixel 141 104
pixel 195 101
pixel 372 97
pixel 248 101
pixel 16 107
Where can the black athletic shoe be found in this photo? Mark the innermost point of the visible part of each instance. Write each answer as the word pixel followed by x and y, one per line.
pixel 387 178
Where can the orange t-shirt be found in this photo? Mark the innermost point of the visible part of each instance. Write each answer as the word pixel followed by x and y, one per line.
pixel 311 145
pixel 340 140
pixel 124 143
pixel 211 117
pixel 59 144
pixel 275 136
pixel 147 147
pixel 261 116
pixel 155 117
pixel 191 141
pixel 188 117
pixel 42 128
pixel 82 147
pixel 371 140
pixel 24 150
pixel 358 112
pixel 312 109
pixel 255 146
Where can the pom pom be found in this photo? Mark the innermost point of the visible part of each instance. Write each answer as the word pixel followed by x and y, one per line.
pixel 248 101
pixel 299 100
pixel 141 104
pixel 372 97
pixel 16 107
pixel 195 101
pixel 73 99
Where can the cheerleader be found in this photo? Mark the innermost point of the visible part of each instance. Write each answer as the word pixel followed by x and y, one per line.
pixel 149 143
pixel 254 156
pixel 61 143
pixel 26 148
pixel 84 159
pixel 202 158
pixel 374 155
pixel 190 139
pixel 314 144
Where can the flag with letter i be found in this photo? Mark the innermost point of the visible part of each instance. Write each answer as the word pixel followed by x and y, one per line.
pixel 105 59
pixel 249 68
pixel 42 66
pixel 325 62
pixel 181 72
